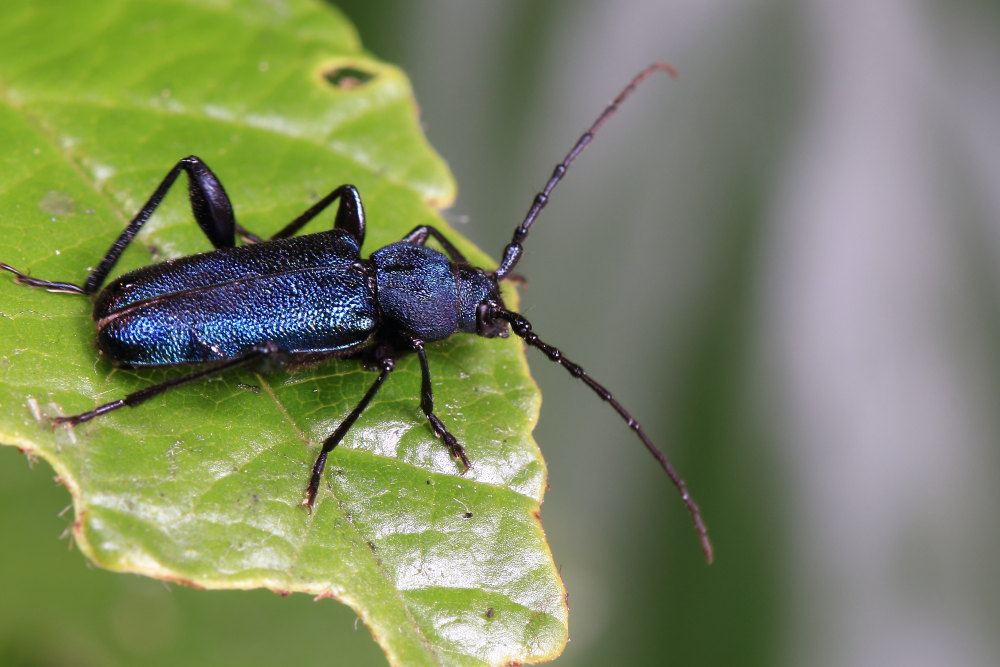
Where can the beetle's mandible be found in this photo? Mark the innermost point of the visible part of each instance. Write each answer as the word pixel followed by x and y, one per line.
pixel 313 296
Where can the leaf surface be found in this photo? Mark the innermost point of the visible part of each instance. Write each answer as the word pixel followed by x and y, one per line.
pixel 202 485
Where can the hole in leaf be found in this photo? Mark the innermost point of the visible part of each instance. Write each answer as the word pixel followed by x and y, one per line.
pixel 347 78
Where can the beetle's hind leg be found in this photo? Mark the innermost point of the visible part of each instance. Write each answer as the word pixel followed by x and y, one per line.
pixel 50 285
pixel 427 405
pixel 209 203
pixel 137 397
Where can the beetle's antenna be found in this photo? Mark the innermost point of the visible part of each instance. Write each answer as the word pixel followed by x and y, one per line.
pixel 512 252
pixel 522 328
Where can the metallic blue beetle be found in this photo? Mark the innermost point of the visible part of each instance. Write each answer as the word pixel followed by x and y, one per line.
pixel 314 296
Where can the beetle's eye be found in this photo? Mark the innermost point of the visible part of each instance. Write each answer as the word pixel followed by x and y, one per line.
pixel 487 325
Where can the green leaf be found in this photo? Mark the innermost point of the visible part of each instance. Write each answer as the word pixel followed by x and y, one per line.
pixel 202 485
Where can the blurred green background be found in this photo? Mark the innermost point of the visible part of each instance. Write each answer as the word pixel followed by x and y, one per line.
pixel 784 263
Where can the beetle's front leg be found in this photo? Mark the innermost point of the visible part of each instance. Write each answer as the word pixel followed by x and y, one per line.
pixel 419 235
pixel 427 405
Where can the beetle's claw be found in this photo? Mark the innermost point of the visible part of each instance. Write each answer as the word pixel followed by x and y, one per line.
pixel 307 501
pixel 459 453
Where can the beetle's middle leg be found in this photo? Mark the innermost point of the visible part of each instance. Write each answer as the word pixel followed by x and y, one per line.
pixel 386 363
pixel 350 216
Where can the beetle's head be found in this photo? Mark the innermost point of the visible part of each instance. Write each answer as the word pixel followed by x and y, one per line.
pixel 478 296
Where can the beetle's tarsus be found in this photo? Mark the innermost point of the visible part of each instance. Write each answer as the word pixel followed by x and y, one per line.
pixel 458 452
pixel 52 286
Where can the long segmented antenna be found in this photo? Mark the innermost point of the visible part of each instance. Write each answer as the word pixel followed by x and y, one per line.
pixel 512 252
pixel 512 255
pixel 522 328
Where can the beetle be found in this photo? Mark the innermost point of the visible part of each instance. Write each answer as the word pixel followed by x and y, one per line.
pixel 313 296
